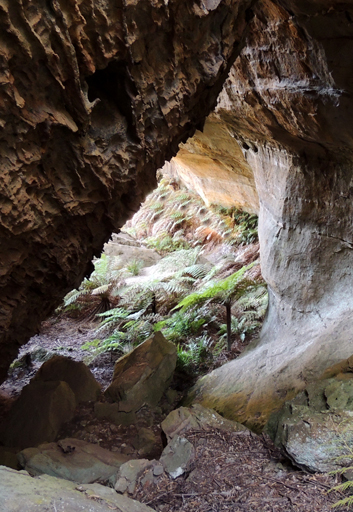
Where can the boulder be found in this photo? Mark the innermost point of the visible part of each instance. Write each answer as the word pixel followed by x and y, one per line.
pixel 130 472
pixel 145 441
pixel 142 376
pixel 20 491
pixel 8 458
pixel 77 375
pixel 73 460
pixel 38 414
pixel 177 456
pixel 316 427
pixel 183 419
pixel 124 250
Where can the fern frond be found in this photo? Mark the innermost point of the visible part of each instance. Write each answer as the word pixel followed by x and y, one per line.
pixel 230 287
pixel 344 502
pixel 197 271
pixel 343 487
pixel 72 296
pixel 100 289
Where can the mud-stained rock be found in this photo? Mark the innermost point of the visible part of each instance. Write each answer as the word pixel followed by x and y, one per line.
pixel 20 491
pixel 316 427
pixel 142 376
pixel 197 417
pixel 38 414
pixel 94 99
pixel 73 460
pixel 75 373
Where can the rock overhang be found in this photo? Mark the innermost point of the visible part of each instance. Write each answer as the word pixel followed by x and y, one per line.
pixel 86 165
pixel 94 99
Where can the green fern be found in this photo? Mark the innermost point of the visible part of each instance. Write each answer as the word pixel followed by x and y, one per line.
pixel 190 357
pixel 231 287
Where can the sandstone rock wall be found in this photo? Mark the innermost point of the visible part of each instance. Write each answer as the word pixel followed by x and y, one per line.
pixel 95 96
pixel 289 104
pixel 212 164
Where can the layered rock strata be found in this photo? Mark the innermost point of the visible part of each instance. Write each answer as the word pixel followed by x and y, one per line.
pixel 94 98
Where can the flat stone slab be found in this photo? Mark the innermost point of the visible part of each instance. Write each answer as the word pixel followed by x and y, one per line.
pixel 73 460
pixel 198 417
pixel 21 492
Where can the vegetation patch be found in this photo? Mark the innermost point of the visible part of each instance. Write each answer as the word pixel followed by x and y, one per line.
pixel 207 309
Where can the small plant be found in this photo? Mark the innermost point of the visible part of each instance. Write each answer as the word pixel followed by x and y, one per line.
pixel 166 244
pixel 181 326
pixel 190 357
pixel 135 267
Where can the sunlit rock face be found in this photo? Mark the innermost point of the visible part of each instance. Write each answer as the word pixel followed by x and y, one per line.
pixel 95 96
pixel 213 165
pixel 288 103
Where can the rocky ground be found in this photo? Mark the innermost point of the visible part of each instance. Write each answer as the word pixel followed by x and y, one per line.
pixel 238 472
pixel 230 471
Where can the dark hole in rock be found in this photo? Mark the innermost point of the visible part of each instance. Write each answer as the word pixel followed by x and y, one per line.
pixel 116 92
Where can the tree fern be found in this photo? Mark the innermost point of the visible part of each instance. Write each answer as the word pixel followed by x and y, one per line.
pixel 231 287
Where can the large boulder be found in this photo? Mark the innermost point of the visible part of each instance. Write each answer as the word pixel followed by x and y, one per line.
pixel 20 491
pixel 142 376
pixel 315 429
pixel 73 460
pixel 124 249
pixel 38 414
pixel 75 373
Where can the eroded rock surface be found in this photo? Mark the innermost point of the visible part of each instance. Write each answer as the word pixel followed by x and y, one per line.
pixel 72 459
pixel 19 491
pixel 94 98
pixel 315 429
pixel 288 103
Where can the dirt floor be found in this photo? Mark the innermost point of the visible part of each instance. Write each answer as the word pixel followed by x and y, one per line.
pixel 238 472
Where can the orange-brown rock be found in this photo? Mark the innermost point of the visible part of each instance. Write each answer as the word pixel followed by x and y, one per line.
pixel 212 164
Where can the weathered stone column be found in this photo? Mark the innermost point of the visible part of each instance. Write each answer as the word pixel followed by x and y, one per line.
pixel 289 104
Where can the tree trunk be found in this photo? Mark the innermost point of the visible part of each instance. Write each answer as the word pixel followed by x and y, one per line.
pixel 229 324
